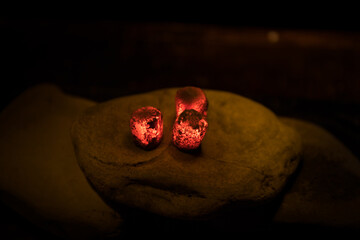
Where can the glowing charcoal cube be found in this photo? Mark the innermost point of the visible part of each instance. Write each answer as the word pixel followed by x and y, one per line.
pixel 146 126
pixel 191 98
pixel 189 130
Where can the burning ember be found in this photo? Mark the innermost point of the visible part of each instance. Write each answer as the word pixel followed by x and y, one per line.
pixel 146 126
pixel 191 98
pixel 189 130
pixel 191 111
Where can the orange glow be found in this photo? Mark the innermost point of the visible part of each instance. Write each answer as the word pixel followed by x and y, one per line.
pixel 191 98
pixel 189 130
pixel 146 126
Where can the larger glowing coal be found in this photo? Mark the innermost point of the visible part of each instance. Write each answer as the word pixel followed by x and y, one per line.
pixel 189 130
pixel 146 126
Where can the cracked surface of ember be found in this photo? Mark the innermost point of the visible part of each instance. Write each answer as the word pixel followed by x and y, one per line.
pixel 191 98
pixel 146 126
pixel 189 130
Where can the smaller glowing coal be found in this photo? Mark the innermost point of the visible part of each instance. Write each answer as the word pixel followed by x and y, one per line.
pixel 191 98
pixel 146 126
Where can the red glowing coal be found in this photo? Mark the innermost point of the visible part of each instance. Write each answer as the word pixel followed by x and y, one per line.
pixel 146 126
pixel 189 130
pixel 191 98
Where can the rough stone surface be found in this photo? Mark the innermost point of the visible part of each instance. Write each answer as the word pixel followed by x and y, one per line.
pixel 40 179
pixel 326 191
pixel 39 175
pixel 245 158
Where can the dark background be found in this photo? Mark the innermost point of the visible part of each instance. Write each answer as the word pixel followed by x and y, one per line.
pixel 311 72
